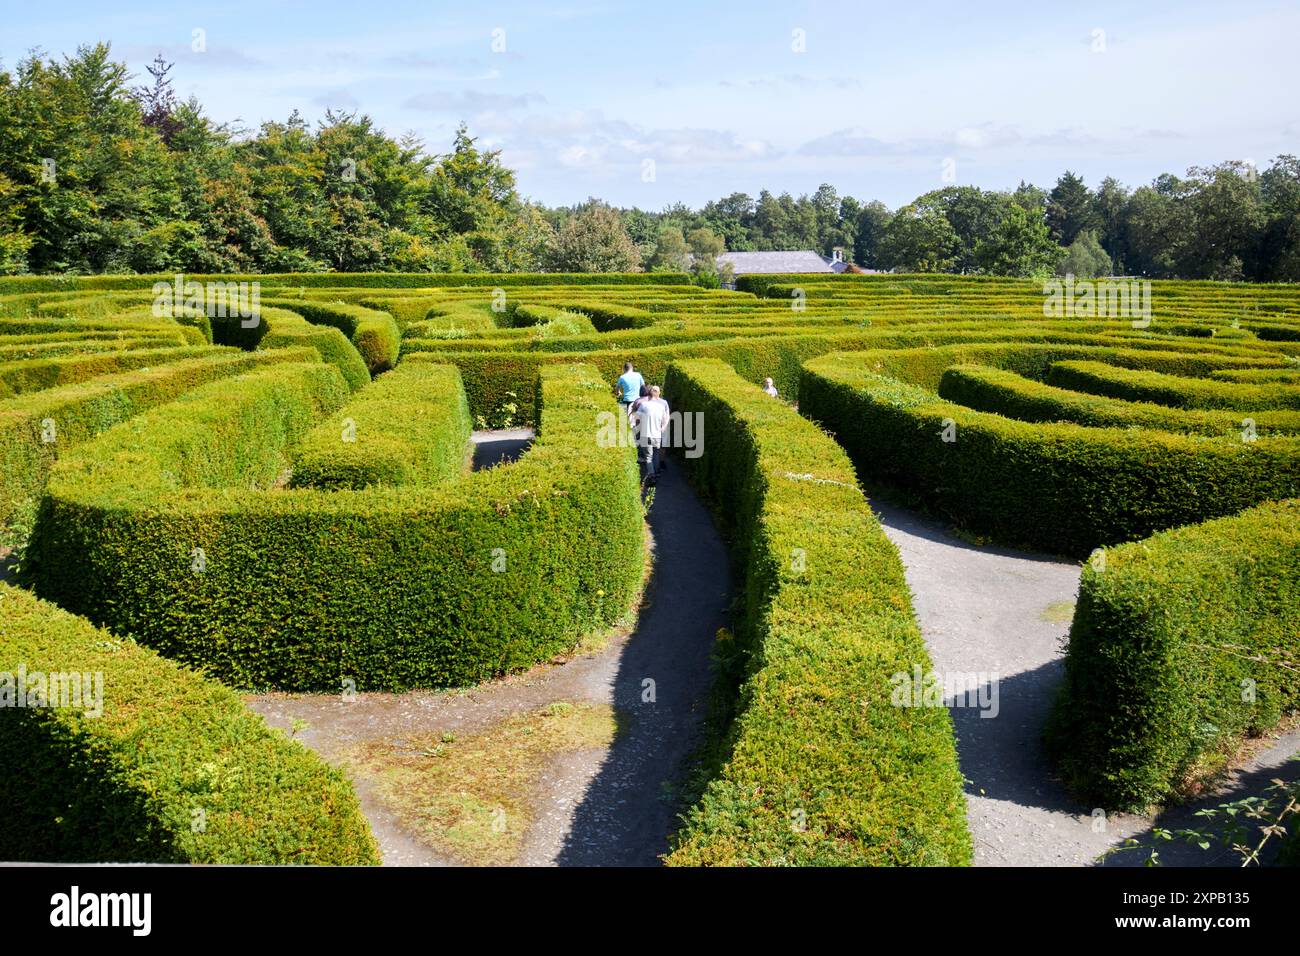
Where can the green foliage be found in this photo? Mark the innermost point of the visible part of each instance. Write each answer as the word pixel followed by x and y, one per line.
pixel 1061 488
pixel 1085 258
pixel 593 239
pixel 390 587
pixel 373 332
pixel 1018 246
pixel 410 426
pixel 71 414
pixel 1014 396
pixel 1180 644
pixel 1175 391
pixel 173 770
pixel 823 768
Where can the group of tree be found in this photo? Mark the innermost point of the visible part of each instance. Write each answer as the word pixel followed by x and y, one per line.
pixel 1230 221
pixel 100 176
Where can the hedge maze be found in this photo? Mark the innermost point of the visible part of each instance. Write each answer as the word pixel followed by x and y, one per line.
pixel 286 503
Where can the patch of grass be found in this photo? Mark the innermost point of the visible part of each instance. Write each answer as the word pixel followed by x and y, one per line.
pixel 472 797
pixel 1058 612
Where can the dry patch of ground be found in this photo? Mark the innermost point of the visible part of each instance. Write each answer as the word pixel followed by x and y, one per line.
pixel 471 797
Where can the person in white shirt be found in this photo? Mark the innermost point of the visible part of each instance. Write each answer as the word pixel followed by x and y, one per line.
pixel 651 421
pixel 769 387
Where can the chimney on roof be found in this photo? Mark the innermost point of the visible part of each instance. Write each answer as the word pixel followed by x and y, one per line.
pixel 837 254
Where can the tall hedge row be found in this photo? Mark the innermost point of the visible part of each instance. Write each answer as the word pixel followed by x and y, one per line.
pixel 823 768
pixel 343 280
pixel 1175 391
pixel 31 375
pixel 38 427
pixel 1062 488
pixel 157 765
pixel 1180 643
pixel 302 589
pixel 1013 396
pixel 411 426
pixel 373 332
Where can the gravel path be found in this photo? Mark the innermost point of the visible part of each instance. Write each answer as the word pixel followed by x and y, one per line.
pixel 1001 615
pixel 608 806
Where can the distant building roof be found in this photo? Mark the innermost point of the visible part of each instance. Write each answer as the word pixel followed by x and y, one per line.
pixel 798 261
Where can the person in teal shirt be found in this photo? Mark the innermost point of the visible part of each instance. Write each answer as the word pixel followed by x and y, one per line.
pixel 629 385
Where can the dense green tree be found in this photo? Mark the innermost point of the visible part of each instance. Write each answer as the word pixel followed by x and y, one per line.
pixel 1069 209
pixel 593 240
pixel 1018 246
pixel 872 222
pixel 1085 259
pixel 918 239
pixel 671 253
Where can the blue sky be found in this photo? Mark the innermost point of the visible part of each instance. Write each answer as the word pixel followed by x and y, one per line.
pixel 882 101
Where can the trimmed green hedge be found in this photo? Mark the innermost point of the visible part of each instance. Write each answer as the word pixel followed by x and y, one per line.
pixel 374 333
pixel 36 428
pixel 816 734
pixel 546 321
pixel 281 328
pixel 162 766
pixel 301 589
pixel 1175 391
pixel 1180 644
pixel 35 374
pixel 344 280
pixel 1062 488
pixel 410 426
pixel 1011 395
pixel 187 334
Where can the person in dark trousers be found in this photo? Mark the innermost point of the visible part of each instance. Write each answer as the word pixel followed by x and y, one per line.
pixel 651 422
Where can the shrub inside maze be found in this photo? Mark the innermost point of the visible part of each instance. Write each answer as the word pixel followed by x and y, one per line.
pixel 374 333
pixel 1058 487
pixel 168 529
pixel 823 768
pixel 161 765
pixel 1180 644
pixel 410 427
pixel 977 342
pixel 1013 396
pixel 37 427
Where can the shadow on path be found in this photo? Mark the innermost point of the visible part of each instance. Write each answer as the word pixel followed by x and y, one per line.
pixel 629 810
pixel 500 447
pixel 994 620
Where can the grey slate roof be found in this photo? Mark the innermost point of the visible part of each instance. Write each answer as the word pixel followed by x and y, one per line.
pixel 803 260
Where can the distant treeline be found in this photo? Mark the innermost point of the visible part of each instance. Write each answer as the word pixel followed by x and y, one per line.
pixel 98 176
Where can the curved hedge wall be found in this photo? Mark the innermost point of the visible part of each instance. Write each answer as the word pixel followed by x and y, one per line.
pixel 1014 396
pixel 36 428
pixel 817 733
pixel 373 332
pixel 301 589
pixel 1180 644
pixel 410 426
pixel 166 767
pixel 1062 488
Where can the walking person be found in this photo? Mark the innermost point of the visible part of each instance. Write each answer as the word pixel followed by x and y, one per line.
pixel 651 421
pixel 643 397
pixel 629 385
pixel 769 387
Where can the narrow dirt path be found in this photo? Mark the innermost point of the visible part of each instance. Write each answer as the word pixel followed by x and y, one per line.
pixel 601 806
pixel 1001 616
